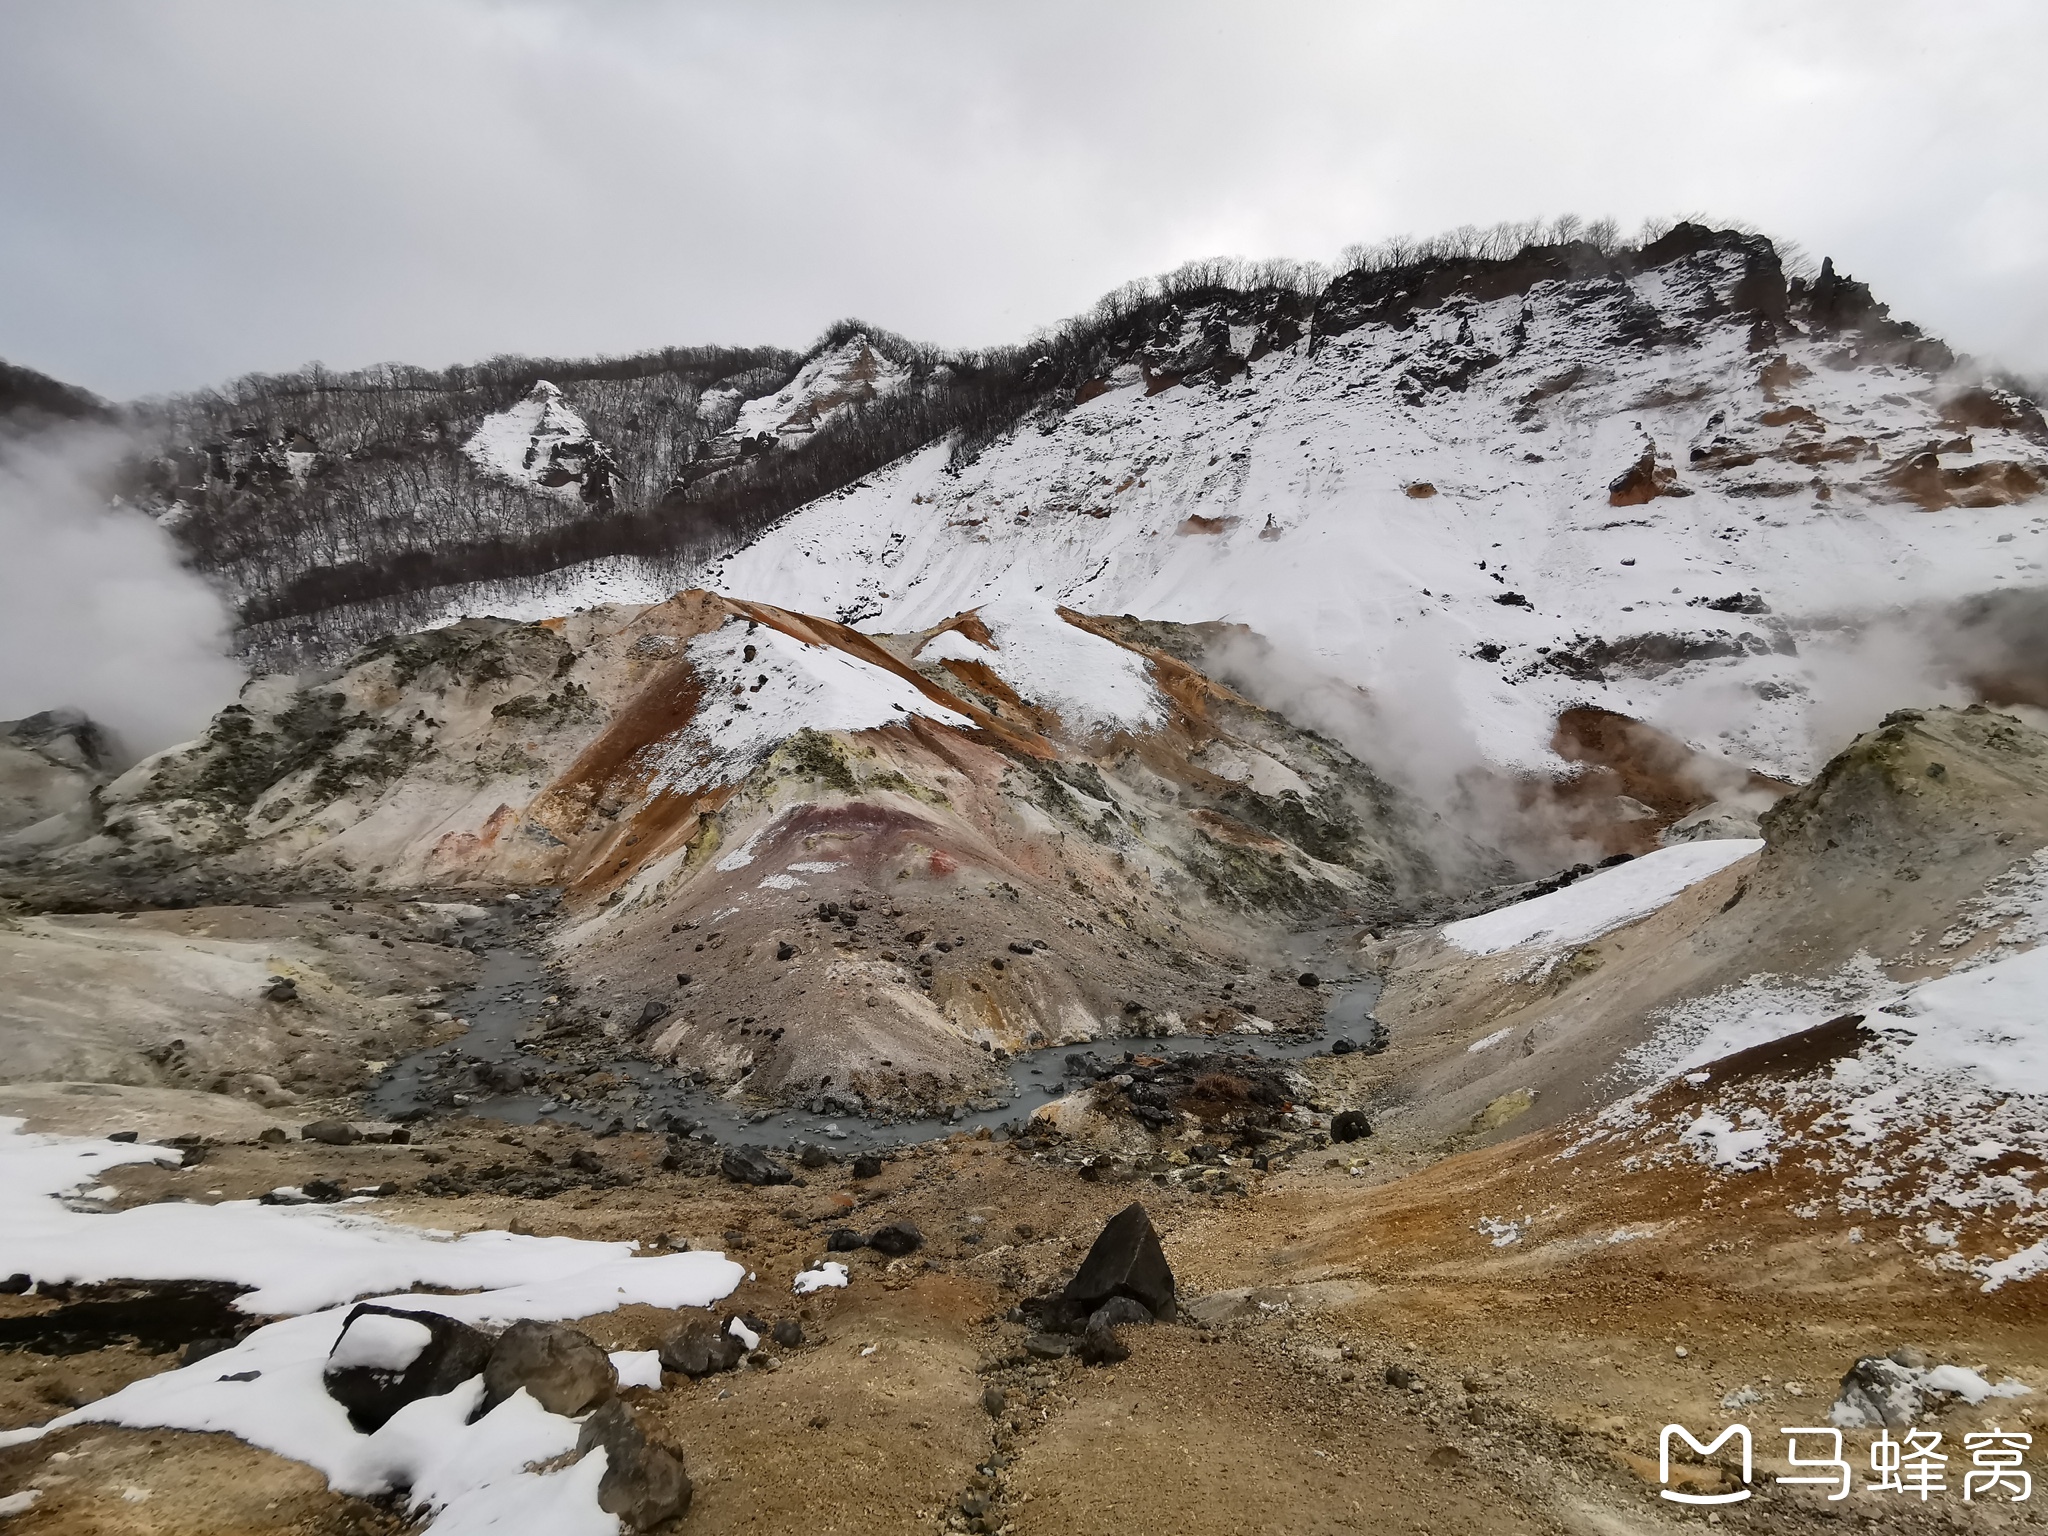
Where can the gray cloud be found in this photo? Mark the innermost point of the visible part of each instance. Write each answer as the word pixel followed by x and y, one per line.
pixel 201 187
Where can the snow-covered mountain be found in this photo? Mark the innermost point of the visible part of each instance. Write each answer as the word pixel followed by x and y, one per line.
pixel 1627 490
pixel 1668 483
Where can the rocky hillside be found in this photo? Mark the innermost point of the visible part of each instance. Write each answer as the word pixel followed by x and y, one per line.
pixel 1020 827
pixel 1852 1002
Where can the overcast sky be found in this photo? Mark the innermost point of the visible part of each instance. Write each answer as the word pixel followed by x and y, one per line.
pixel 191 190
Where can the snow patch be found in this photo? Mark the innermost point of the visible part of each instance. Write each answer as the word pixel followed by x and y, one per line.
pixel 1600 902
pixel 1094 685
pixel 269 1389
pixel 751 707
pixel 829 1274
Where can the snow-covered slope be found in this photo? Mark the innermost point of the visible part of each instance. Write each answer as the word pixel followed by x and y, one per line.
pixel 1626 490
pixel 542 441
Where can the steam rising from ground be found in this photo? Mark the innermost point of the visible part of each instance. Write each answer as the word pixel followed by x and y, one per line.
pixel 1407 726
pixel 1406 722
pixel 96 613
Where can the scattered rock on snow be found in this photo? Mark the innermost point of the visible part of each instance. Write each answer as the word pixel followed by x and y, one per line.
pixel 384 1358
pixel 1877 1391
pixel 644 1483
pixel 560 1367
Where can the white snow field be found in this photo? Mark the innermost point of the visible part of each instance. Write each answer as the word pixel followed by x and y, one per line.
pixel 752 705
pixel 315 1261
pixel 828 384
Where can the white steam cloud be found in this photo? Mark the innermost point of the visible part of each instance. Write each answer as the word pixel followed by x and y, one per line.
pixel 96 613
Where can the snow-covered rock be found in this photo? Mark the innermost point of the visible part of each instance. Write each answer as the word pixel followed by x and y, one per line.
pixel 832 382
pixel 541 440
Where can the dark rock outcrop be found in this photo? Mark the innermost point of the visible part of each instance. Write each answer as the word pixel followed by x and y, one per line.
pixel 896 1239
pixel 1125 1261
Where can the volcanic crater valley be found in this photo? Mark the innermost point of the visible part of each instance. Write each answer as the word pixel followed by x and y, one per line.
pixel 1322 929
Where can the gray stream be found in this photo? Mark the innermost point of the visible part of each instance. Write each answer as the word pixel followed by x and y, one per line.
pixel 502 1007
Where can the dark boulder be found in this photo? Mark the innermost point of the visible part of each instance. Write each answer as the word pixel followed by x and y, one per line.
pixel 752 1165
pixel 333 1133
pixel 814 1156
pixel 867 1167
pixel 560 1367
pixel 1126 1260
pixel 844 1240
pixel 1117 1311
pixel 644 1483
pixel 376 1367
pixel 896 1239
pixel 1350 1125
pixel 701 1347
pixel 787 1334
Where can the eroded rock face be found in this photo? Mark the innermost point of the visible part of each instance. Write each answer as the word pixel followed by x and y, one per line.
pixel 385 1358
pixel 745 879
pixel 559 1367
pixel 50 764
